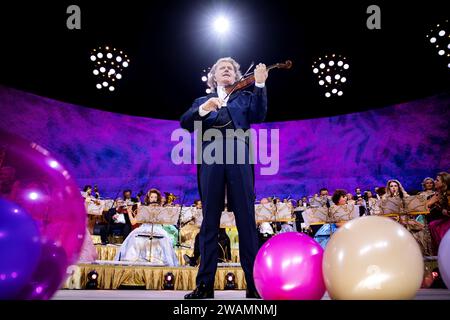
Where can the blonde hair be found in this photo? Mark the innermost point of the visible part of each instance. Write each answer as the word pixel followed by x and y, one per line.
pixel 212 84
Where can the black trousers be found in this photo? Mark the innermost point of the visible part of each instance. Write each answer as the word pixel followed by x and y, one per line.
pixel 238 180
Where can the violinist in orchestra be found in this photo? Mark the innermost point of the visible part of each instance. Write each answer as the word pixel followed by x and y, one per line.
pixel 118 218
pixel 225 110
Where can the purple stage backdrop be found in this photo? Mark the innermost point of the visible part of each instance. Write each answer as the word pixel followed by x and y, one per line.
pixel 408 142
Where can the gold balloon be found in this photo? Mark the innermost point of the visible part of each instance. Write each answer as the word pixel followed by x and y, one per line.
pixel 372 258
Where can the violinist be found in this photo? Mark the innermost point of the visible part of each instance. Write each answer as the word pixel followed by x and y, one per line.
pixel 227 110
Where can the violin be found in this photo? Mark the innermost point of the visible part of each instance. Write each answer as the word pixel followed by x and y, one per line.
pixel 248 80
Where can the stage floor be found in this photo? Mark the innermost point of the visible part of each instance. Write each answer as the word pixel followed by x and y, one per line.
pixel 422 294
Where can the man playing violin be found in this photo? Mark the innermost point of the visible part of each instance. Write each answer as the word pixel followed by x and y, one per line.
pixel 225 112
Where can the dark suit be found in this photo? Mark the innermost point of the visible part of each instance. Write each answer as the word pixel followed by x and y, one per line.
pixel 243 108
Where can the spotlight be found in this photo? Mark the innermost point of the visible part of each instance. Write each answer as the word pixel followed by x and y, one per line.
pixel 221 25
pixel 208 91
pixel 204 78
pixel 92 282
pixel 230 281
pixel 169 281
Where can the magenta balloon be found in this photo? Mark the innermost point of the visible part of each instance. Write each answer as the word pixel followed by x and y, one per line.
pixel 444 258
pixel 289 267
pixel 34 179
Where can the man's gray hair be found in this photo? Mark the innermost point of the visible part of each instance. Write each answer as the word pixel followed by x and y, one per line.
pixel 212 83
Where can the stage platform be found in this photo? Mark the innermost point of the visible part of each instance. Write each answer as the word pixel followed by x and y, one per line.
pixel 422 294
pixel 108 252
pixel 112 275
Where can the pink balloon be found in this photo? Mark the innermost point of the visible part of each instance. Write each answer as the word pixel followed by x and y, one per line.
pixel 34 179
pixel 289 267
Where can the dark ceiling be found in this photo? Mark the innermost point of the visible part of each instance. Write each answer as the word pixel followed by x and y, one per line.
pixel 169 44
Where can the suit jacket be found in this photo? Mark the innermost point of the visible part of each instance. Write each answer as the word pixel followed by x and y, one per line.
pixel 245 108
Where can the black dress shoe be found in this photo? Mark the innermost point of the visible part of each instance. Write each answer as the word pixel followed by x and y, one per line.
pixel 252 294
pixel 201 292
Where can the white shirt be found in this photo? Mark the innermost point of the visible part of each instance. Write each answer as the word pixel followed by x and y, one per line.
pixel 222 94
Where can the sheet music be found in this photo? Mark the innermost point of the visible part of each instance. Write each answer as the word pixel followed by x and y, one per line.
pixel 158 214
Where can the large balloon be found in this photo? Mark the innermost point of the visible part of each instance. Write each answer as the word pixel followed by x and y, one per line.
pixel 372 258
pixel 289 267
pixel 20 249
pixel 34 179
pixel 444 258
pixel 49 274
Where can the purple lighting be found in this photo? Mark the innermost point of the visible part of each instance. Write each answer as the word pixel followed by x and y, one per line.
pixel 407 141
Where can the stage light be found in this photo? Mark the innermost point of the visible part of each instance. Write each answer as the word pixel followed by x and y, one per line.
pixel 332 77
pixel 221 24
pixel 208 91
pixel 204 78
pixel 110 68
pixel 169 281
pixel 439 40
pixel 340 93
pixel 230 281
pixel 92 278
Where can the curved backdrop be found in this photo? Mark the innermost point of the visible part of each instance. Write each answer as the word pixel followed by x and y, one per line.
pixel 408 141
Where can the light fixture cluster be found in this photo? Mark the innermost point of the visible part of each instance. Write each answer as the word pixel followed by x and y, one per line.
pixel 332 74
pixel 108 65
pixel 439 39
pixel 205 79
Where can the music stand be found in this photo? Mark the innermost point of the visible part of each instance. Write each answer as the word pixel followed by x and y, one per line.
pixel 156 215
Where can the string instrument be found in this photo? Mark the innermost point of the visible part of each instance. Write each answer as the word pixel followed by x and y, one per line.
pixel 248 80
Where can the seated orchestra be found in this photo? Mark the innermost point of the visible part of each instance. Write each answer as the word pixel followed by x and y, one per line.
pixel 424 214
